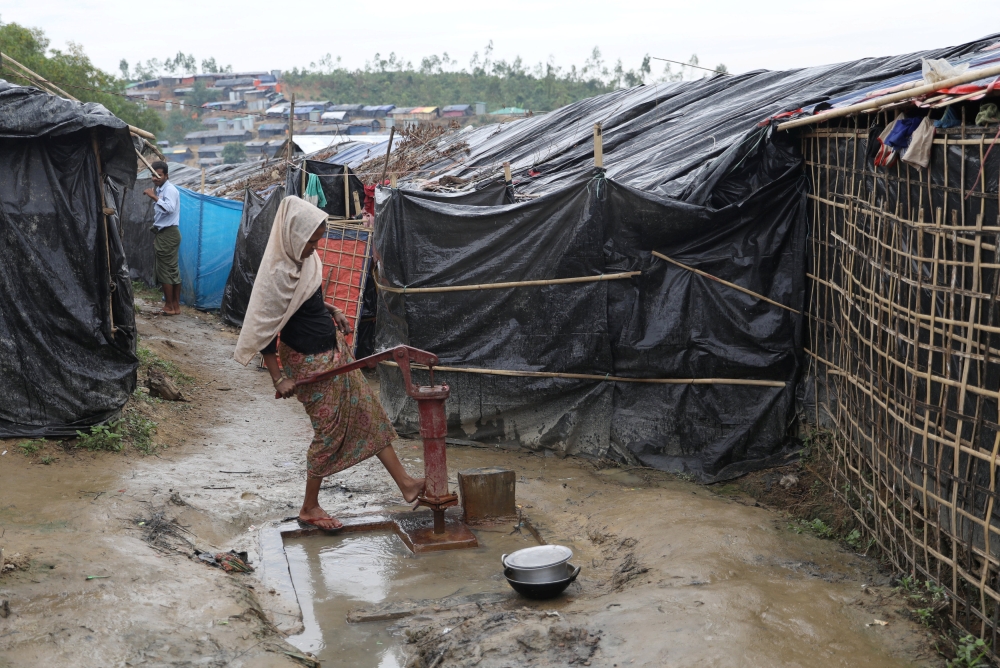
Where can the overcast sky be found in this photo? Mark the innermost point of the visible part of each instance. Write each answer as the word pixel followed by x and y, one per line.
pixel 744 35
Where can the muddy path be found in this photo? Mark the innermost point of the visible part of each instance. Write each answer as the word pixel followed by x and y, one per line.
pixel 673 574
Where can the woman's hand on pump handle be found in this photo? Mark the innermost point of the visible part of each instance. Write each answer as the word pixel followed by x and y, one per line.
pixel 285 387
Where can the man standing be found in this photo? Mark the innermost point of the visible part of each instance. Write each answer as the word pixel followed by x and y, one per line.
pixel 166 221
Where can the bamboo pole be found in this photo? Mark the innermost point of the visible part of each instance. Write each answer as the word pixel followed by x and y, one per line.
pixel 357 202
pixel 50 87
pixel 598 146
pixel 202 180
pixel 347 195
pixel 107 232
pixel 971 75
pixel 512 284
pixel 145 162
pixel 291 129
pixel 602 377
pixel 726 283
pixel 392 181
pixel 388 150
pixel 506 173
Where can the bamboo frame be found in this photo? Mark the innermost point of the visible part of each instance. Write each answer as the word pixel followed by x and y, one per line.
pixel 511 284
pixel 904 353
pixel 603 378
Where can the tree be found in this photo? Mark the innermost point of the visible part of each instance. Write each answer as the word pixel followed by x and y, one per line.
pixel 234 152
pixel 72 71
pixel 200 95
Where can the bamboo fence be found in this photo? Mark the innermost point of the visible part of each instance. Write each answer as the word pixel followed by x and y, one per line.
pixel 904 351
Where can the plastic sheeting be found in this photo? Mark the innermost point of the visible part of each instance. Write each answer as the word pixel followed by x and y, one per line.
pixel 208 227
pixel 689 174
pixel 331 176
pixel 251 241
pixel 137 218
pixel 63 366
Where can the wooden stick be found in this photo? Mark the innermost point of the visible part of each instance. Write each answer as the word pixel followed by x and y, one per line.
pixel 971 75
pixel 107 232
pixel 291 129
pixel 512 284
pixel 152 171
pixel 357 201
pixel 598 146
pixel 606 377
pixel 38 78
pixel 202 180
pixel 726 283
pixel 506 173
pixel 388 150
pixel 347 195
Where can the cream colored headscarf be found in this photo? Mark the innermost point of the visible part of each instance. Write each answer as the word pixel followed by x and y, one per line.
pixel 284 281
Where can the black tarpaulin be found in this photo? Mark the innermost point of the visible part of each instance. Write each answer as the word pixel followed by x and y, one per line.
pixel 692 375
pixel 136 221
pixel 251 241
pixel 63 366
pixel 331 178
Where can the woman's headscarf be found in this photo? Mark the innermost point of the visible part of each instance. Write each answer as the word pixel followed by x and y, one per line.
pixel 284 281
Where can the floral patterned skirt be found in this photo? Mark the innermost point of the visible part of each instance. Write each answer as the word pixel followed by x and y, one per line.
pixel 349 422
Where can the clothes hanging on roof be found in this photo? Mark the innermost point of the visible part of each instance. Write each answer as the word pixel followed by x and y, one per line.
pixel 918 154
pixel 949 120
pixel 314 192
pixel 902 132
pixel 987 114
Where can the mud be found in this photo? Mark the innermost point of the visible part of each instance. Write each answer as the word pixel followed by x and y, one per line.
pixel 332 576
pixel 673 574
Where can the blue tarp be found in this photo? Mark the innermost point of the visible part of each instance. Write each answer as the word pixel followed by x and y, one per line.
pixel 208 238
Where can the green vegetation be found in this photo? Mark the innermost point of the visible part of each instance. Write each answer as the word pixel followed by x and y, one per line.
pixel 72 71
pixel 100 437
pixel 233 153
pixel 31 447
pixel 816 527
pixel 970 652
pixel 133 429
pixel 439 81
pixel 150 360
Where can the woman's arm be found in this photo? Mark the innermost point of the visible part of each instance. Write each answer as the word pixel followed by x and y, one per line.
pixel 339 318
pixel 284 386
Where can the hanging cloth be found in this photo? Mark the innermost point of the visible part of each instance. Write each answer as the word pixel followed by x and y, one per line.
pixel 314 192
pixel 918 153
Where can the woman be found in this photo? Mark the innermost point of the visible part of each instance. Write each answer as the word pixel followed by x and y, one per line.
pixel 349 422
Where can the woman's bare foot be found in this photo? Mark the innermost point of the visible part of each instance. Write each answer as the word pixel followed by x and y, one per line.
pixel 318 517
pixel 411 489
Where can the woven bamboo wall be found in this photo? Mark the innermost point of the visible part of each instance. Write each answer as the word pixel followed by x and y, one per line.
pixel 904 351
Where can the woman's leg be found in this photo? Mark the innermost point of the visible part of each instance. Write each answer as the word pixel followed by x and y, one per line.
pixel 311 510
pixel 410 487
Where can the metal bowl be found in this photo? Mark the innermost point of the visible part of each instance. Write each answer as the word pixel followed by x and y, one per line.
pixel 538 565
pixel 543 590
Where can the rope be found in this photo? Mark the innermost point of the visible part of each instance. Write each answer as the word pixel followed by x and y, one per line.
pixel 606 377
pixel 514 284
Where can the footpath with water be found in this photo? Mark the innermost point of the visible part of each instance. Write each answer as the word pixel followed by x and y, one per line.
pixel 673 574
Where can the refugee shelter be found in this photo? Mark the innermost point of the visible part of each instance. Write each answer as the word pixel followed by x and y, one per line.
pixel 649 307
pixel 209 228
pixel 67 327
pixel 827 236
pixel 902 350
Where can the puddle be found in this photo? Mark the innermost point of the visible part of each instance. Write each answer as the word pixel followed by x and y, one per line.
pixel 333 575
